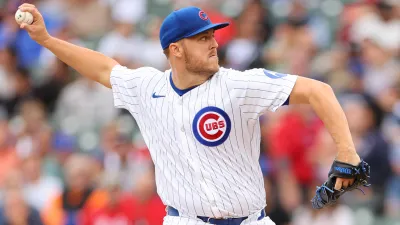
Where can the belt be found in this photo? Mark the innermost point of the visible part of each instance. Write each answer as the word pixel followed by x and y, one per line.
pixel 224 221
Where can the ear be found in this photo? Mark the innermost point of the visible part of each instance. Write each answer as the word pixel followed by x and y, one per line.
pixel 176 50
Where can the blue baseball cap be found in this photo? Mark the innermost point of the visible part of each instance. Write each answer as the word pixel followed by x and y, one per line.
pixel 185 22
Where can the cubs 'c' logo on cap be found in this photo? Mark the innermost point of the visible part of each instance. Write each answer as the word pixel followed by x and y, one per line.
pixel 203 15
pixel 211 126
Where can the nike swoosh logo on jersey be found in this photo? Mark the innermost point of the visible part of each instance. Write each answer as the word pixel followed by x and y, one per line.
pixel 157 96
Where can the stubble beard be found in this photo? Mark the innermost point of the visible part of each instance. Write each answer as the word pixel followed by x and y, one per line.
pixel 195 66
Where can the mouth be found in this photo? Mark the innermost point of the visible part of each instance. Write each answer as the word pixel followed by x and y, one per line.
pixel 214 55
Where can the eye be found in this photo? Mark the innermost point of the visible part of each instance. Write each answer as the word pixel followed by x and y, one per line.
pixel 203 38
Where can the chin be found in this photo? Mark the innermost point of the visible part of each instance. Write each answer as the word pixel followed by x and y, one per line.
pixel 214 65
pixel 214 68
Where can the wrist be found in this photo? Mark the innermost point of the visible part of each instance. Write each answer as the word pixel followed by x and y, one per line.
pixel 346 148
pixel 350 157
pixel 46 41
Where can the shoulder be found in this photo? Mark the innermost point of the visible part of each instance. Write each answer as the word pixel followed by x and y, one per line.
pixel 119 69
pixel 250 72
pixel 229 74
pixel 121 73
pixel 229 71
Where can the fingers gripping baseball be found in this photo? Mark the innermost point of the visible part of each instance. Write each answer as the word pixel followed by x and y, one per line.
pixel 27 5
pixel 37 29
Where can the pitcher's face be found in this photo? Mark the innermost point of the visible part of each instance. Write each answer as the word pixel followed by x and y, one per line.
pixel 200 53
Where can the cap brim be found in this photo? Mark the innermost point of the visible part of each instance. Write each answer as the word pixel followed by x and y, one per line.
pixel 215 26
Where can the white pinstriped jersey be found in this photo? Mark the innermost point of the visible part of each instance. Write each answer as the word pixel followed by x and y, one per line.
pixel 205 144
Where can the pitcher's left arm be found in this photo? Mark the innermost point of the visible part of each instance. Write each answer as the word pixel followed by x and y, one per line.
pixel 325 104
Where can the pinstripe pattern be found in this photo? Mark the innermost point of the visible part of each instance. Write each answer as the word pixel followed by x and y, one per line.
pixel 200 180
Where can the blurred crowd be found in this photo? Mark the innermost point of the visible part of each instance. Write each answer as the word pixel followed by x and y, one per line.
pixel 67 157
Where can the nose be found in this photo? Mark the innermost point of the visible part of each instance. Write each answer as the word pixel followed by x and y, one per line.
pixel 214 43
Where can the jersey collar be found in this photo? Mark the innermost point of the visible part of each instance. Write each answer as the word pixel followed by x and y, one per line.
pixel 180 92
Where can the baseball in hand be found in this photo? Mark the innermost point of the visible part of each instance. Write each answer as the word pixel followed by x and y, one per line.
pixel 23 17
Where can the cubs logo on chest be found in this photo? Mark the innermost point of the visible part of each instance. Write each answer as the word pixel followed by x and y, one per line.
pixel 211 126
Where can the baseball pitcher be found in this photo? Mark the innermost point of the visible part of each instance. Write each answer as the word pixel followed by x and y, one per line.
pixel 201 121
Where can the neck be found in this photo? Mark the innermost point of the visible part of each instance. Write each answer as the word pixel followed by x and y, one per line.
pixel 184 79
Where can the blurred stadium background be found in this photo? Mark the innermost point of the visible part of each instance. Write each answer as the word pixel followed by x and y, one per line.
pixel 67 157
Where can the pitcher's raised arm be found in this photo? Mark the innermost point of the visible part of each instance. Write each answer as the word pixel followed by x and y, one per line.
pixel 89 63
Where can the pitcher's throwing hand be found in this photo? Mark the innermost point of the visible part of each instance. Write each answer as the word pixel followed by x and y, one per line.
pixel 37 30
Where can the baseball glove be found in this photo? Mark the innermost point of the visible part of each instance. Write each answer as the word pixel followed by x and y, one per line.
pixel 326 194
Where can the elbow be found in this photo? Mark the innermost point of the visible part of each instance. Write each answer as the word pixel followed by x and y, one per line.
pixel 321 90
pixel 326 88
